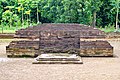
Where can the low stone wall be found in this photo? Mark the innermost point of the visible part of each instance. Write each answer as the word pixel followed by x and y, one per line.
pixel 87 48
pixel 6 36
pixel 96 48
pixel 113 35
pixel 15 52
pixel 22 48
pixel 96 52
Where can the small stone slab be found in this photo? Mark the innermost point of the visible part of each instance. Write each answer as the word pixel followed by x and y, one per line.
pixel 58 58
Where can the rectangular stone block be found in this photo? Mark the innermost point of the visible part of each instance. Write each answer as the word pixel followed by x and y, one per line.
pixel 96 48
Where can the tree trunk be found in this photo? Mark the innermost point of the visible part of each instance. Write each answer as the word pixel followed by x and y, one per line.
pixel 37 16
pixel 17 26
pixel 22 16
pixel 27 20
pixel 10 20
pixel 94 19
pixel 2 27
pixel 117 19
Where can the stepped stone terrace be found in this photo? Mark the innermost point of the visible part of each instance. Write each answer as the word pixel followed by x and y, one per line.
pixel 59 38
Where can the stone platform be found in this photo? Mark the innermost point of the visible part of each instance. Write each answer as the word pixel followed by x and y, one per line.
pixel 59 38
pixel 86 32
pixel 96 48
pixel 59 58
pixel 87 48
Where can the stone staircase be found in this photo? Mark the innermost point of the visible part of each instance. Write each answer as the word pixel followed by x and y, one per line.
pixel 59 58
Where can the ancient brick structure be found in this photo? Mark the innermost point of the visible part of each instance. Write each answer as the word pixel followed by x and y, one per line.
pixel 59 38
pixel 85 31
pixel 96 48
pixel 22 48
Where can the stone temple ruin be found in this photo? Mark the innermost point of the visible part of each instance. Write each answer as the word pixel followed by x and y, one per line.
pixel 59 43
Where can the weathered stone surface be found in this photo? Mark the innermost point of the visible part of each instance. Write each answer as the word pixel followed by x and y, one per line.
pixel 59 41
pixel 85 31
pixel 22 48
pixel 59 38
pixel 96 48
pixel 87 48
pixel 59 58
pixel 6 36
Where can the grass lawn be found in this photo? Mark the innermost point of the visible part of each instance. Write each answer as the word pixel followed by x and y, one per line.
pixel 107 30
pixel 10 30
pixel 13 29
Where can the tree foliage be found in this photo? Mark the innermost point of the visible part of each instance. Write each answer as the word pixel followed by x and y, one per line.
pixel 90 12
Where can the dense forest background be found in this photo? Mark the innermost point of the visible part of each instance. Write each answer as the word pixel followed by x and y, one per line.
pixel 16 14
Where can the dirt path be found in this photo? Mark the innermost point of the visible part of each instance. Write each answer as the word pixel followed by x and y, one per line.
pixel 93 68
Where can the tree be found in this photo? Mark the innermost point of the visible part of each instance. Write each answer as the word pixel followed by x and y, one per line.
pixel 89 12
pixel 1 10
pixel 10 12
pixel 35 4
pixel 15 19
pixel 21 8
pixel 6 17
pixel 84 12
pixel 68 11
pixel 95 6
pixel 28 16
pixel 116 6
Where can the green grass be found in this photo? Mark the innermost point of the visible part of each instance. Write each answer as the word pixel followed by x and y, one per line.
pixel 13 29
pixel 107 30
pixel 7 29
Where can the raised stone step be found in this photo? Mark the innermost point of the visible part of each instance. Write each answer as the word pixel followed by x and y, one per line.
pixel 58 58
pixel 84 31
